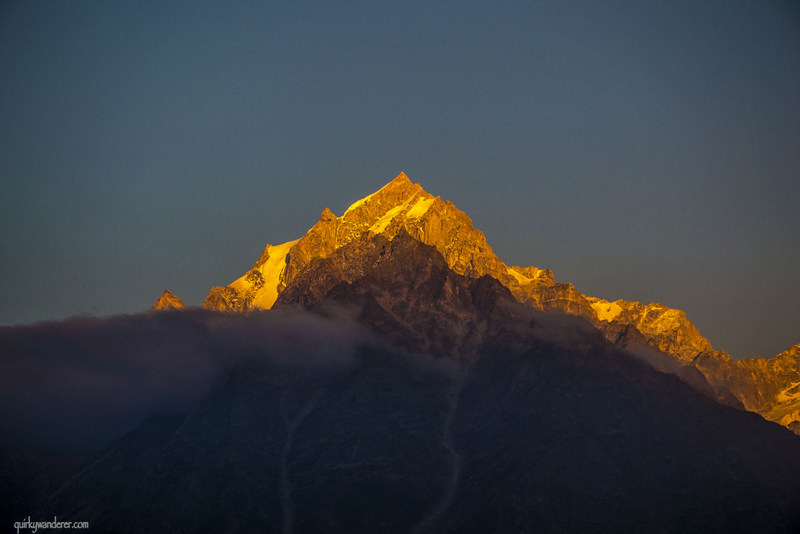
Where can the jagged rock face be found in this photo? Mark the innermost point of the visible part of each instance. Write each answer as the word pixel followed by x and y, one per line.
pixel 564 297
pixel 401 205
pixel 665 328
pixel 406 291
pixel 227 299
pixel 769 386
pixel 258 287
pixel 168 301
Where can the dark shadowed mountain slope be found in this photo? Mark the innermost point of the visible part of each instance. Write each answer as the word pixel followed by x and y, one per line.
pixel 550 438
pixel 405 290
pixel 539 425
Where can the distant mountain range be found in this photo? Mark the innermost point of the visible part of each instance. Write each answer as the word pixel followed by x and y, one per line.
pixel 386 372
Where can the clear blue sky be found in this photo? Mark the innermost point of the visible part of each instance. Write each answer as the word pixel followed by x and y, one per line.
pixel 642 150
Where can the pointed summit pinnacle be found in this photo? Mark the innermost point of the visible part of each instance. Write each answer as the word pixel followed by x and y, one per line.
pixel 327 215
pixel 394 193
pixel 401 178
pixel 401 185
pixel 168 301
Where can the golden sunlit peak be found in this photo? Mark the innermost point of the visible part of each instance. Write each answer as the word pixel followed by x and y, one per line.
pixel 401 183
pixel 398 190
pixel 402 177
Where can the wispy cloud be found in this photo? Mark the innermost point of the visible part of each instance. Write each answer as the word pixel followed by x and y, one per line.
pixel 82 382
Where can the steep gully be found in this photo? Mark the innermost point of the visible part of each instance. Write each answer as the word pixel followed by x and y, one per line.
pixel 428 522
pixel 291 428
pixel 451 485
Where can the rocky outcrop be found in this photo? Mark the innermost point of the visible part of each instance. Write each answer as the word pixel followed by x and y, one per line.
pixel 768 386
pixel 404 289
pixel 227 299
pixel 664 328
pixel 167 301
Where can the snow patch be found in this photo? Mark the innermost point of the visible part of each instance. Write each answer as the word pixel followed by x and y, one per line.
pixel 537 273
pixel 606 311
pixel 384 221
pixel 420 208
pixel 400 178
pixel 667 319
pixel 521 278
pixel 358 203
pixel 792 393
pixel 271 270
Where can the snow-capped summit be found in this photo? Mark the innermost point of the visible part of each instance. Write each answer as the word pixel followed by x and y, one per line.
pixel 402 205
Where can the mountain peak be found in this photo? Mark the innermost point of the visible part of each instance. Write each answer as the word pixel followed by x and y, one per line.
pixel 404 206
pixel 327 215
pixel 351 249
pixel 391 195
pixel 401 178
pixel 168 301
pixel 399 206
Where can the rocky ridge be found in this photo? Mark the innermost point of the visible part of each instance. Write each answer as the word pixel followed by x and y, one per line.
pixel 768 386
pixel 404 289
pixel 348 243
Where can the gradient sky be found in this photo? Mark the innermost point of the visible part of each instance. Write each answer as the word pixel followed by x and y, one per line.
pixel 642 150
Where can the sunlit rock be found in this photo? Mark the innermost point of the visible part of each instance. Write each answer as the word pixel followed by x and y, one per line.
pixel 168 301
